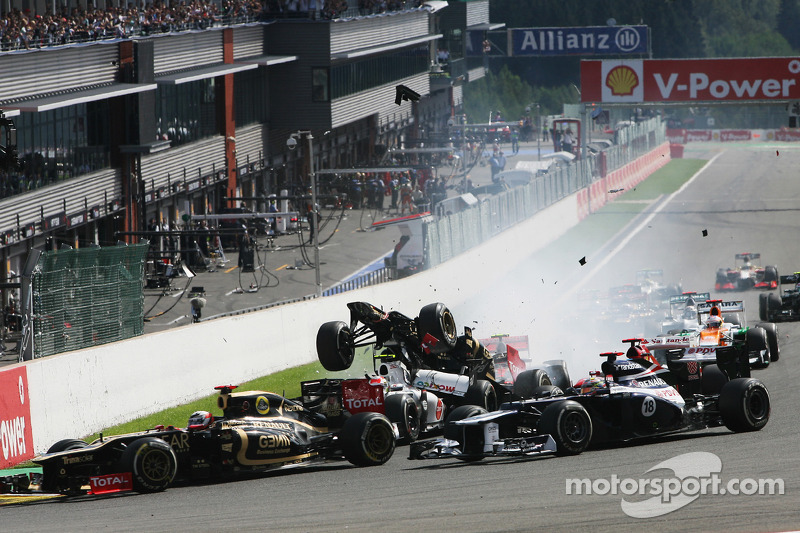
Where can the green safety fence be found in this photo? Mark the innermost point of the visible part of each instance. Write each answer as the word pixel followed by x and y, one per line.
pixel 85 297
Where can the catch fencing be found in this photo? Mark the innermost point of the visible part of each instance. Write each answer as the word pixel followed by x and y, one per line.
pixel 79 298
pixel 449 236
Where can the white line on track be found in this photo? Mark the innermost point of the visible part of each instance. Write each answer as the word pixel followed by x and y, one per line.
pixel 596 268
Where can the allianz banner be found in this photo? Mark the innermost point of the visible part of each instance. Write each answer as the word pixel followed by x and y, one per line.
pixel 583 41
pixel 690 80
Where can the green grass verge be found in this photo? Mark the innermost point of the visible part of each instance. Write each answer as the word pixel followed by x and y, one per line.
pixel 285 382
pixel 590 234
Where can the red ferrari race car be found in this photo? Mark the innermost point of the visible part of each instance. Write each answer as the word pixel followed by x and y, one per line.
pixel 747 275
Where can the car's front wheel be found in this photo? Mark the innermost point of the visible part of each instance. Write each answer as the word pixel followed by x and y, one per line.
pixel 367 439
pixel 152 464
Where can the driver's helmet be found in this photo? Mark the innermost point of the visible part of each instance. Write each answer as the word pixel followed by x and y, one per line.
pixel 200 420
pixel 591 384
pixel 714 321
pixel 500 349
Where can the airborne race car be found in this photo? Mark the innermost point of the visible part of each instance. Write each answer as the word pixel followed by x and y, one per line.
pixel 258 432
pixel 429 369
pixel 747 275
pixel 625 401
pixel 784 307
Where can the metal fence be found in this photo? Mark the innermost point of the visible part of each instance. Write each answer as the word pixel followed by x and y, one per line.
pixel 84 297
pixel 449 236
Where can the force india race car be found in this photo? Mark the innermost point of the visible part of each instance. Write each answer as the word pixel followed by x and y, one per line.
pixel 258 431
pixel 425 354
pixel 747 275
pixel 784 307
pixel 626 400
pixel 715 337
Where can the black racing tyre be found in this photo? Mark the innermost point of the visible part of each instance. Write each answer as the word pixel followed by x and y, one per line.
pixel 744 405
pixel 367 439
pixel 772 339
pixel 67 444
pixel 547 391
pixel 770 273
pixel 559 375
pixel 736 319
pixel 335 346
pixel 774 305
pixel 151 462
pixel 404 411
pixel 437 320
pixel 481 393
pixel 712 379
pixel 569 424
pixel 49 476
pixel 470 438
pixel 762 306
pixel 756 340
pixel 529 380
pixel 722 276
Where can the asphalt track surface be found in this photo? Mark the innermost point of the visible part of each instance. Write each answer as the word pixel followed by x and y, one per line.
pixel 748 200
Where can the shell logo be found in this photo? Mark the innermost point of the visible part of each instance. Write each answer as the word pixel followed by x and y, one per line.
pixel 622 80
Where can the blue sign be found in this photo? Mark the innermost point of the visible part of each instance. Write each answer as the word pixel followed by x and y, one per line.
pixel 583 41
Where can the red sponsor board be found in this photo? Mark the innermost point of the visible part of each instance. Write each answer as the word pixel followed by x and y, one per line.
pixel 360 395
pixel 16 434
pixel 735 135
pixel 690 80
pixel 787 135
pixel 676 136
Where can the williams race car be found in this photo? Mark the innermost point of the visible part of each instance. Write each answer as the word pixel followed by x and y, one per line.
pixel 747 275
pixel 776 307
pixel 622 402
pixel 258 432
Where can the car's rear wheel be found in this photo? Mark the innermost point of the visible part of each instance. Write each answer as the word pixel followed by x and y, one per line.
pixel 436 320
pixel 49 476
pixel 481 393
pixel 404 411
pixel 367 439
pixel 756 341
pixel 335 346
pixel 570 426
pixel 744 405
pixel 529 380
pixel 770 273
pixel 774 306
pixel 762 306
pixel 151 462
pixel 772 339
pixel 712 379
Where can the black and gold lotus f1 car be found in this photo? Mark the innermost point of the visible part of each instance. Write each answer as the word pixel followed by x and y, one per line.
pixel 257 432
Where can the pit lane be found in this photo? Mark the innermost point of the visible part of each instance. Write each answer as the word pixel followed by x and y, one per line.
pixel 747 200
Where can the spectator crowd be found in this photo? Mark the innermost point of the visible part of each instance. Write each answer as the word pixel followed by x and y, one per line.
pixel 26 29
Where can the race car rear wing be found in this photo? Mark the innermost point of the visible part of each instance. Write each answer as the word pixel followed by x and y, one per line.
pixel 745 256
pixel 735 306
pixel 791 278
pixel 696 296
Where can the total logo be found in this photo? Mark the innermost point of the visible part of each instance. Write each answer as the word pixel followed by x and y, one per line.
pixel 361 403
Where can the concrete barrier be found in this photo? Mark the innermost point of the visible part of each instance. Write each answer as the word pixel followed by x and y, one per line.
pixel 79 393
